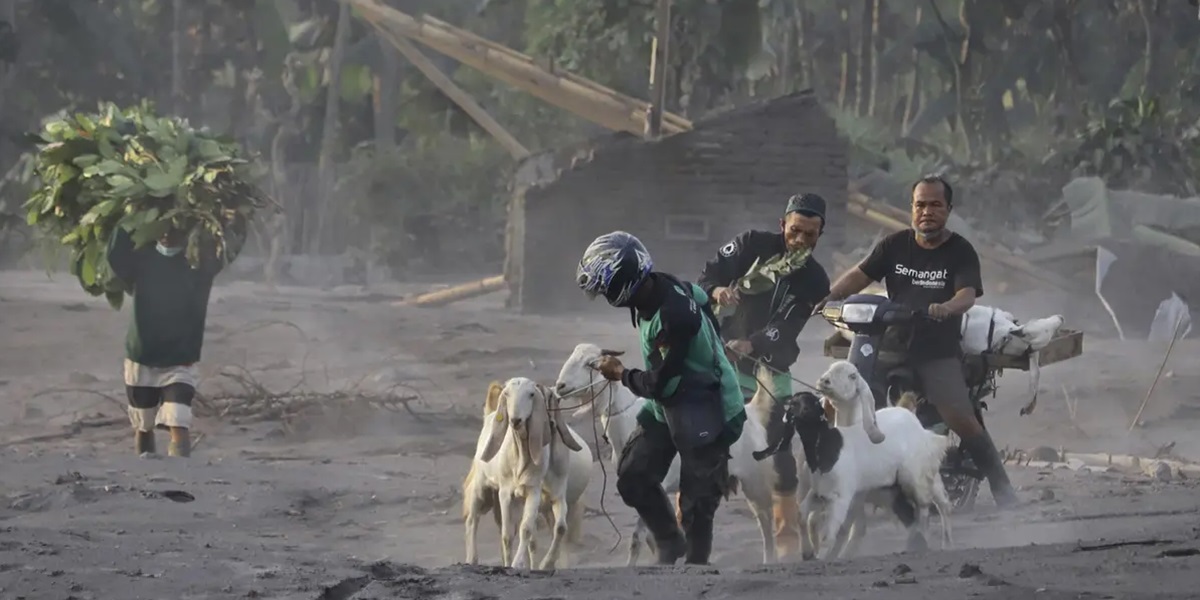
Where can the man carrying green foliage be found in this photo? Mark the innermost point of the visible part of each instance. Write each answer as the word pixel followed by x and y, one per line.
pixel 766 284
pixel 113 182
pixel 170 304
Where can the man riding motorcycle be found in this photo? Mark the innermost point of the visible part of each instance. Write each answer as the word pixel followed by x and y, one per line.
pixel 763 327
pixel 929 265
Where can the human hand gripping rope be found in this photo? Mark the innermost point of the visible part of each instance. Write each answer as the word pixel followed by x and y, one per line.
pixel 593 392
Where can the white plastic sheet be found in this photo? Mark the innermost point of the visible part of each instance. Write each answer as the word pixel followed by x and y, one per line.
pixel 1170 312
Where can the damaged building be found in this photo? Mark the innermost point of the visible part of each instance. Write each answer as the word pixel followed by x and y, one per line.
pixel 684 195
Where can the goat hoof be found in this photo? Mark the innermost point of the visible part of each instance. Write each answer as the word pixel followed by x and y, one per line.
pixel 808 556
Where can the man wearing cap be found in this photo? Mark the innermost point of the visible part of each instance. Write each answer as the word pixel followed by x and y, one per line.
pixel 764 327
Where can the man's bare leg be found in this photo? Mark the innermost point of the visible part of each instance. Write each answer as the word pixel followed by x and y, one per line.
pixel 181 442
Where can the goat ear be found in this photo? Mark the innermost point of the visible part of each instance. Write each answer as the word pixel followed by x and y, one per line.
pixel 560 424
pixel 611 352
pixel 537 430
pixel 868 412
pixel 493 397
pixel 499 430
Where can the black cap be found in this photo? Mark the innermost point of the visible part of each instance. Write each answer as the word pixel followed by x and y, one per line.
pixel 806 204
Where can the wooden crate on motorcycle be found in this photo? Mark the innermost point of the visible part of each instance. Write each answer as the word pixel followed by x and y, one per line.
pixel 1066 344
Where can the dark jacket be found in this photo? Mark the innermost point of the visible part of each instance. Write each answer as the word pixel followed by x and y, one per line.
pixel 170 300
pixel 771 320
pixel 681 345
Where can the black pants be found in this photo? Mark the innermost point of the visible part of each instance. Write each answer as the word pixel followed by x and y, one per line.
pixel 703 481
pixel 146 398
pixel 787 479
pixel 944 387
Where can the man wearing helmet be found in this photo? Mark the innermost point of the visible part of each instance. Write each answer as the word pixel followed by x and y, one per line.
pixel 932 267
pixel 694 407
pixel 764 325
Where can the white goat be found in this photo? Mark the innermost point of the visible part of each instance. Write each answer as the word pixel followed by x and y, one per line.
pixel 989 329
pixel 481 496
pixel 890 451
pixel 525 451
pixel 618 408
pixel 839 384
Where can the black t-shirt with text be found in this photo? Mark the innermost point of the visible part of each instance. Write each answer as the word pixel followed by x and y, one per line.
pixel 918 277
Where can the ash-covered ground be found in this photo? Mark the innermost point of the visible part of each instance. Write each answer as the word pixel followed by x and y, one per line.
pixel 348 499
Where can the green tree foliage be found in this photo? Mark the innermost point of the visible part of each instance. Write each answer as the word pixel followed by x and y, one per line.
pixel 712 53
pixel 1139 143
pixel 914 84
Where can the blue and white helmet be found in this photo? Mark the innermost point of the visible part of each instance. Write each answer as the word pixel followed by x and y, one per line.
pixel 614 266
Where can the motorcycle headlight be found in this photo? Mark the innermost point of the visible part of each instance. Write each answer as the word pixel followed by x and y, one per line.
pixel 858 313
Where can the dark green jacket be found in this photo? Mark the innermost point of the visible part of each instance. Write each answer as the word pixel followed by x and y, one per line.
pixel 170 300
pixel 678 336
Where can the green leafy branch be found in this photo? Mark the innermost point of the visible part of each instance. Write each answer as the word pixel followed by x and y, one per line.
pixel 147 174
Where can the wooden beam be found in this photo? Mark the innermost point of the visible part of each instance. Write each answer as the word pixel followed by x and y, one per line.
pixel 458 95
pixel 659 55
pixel 472 289
pixel 585 98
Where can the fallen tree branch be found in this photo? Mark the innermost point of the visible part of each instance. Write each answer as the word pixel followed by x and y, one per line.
pixel 259 403
pixel 69 431
pixel 256 325
pixel 1072 411
pixel 1112 545
pixel 117 401
pixel 1157 376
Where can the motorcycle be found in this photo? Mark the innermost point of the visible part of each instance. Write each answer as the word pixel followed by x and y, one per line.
pixel 866 319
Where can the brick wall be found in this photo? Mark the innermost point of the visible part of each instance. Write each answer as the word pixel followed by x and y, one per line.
pixel 733 172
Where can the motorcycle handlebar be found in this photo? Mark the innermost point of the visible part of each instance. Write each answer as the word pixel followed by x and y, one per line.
pixel 921 312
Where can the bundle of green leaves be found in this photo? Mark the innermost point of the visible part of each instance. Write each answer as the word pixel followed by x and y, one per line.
pixel 129 168
pixel 762 276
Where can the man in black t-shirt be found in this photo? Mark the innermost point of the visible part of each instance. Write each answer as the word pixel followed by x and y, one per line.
pixel 931 266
